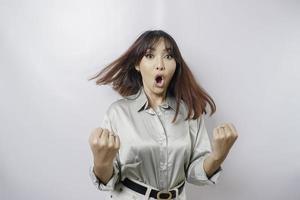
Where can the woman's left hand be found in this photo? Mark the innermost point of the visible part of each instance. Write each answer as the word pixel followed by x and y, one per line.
pixel 224 137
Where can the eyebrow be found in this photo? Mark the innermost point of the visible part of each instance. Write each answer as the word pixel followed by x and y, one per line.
pixel 153 49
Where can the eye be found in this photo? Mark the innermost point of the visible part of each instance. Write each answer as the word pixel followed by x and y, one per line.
pixel 149 55
pixel 169 56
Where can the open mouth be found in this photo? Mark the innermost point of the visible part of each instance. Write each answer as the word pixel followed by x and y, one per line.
pixel 159 81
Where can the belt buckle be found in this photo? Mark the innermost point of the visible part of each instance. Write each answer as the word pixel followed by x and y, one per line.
pixel 160 192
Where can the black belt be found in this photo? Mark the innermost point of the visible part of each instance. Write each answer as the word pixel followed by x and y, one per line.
pixel 154 193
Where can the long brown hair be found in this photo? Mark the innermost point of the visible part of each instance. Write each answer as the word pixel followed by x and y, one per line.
pixel 126 80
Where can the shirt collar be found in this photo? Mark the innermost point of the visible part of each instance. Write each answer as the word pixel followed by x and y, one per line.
pixel 141 101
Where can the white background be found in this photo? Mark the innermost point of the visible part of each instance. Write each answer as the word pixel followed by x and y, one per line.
pixel 244 53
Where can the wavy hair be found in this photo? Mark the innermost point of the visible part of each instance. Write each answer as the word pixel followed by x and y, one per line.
pixel 126 80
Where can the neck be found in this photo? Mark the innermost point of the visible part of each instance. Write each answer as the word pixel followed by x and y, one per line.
pixel 155 100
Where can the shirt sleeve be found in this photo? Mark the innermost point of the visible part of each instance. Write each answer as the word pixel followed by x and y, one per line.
pixel 201 148
pixel 110 185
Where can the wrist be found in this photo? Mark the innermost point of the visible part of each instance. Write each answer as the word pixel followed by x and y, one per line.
pixel 100 166
pixel 103 172
pixel 217 157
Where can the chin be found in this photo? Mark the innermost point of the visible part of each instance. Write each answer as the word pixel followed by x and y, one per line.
pixel 159 90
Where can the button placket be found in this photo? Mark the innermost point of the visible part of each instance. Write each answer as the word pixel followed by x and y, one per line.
pixel 163 170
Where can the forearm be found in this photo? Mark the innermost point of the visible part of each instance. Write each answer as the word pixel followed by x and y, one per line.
pixel 211 164
pixel 103 173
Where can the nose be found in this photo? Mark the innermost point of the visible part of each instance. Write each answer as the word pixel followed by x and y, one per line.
pixel 160 64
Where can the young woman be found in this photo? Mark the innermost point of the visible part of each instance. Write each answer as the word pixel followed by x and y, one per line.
pixel 154 138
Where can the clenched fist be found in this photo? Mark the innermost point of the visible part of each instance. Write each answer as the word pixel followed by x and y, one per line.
pixel 224 137
pixel 104 145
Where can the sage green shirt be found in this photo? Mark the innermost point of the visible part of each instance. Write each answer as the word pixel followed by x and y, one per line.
pixel 153 150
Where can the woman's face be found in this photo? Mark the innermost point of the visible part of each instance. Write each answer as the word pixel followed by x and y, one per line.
pixel 157 68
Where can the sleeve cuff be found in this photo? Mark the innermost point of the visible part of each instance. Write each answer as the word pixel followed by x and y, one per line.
pixel 109 186
pixel 197 175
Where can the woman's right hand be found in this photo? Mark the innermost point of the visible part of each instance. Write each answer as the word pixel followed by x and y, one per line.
pixel 104 145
